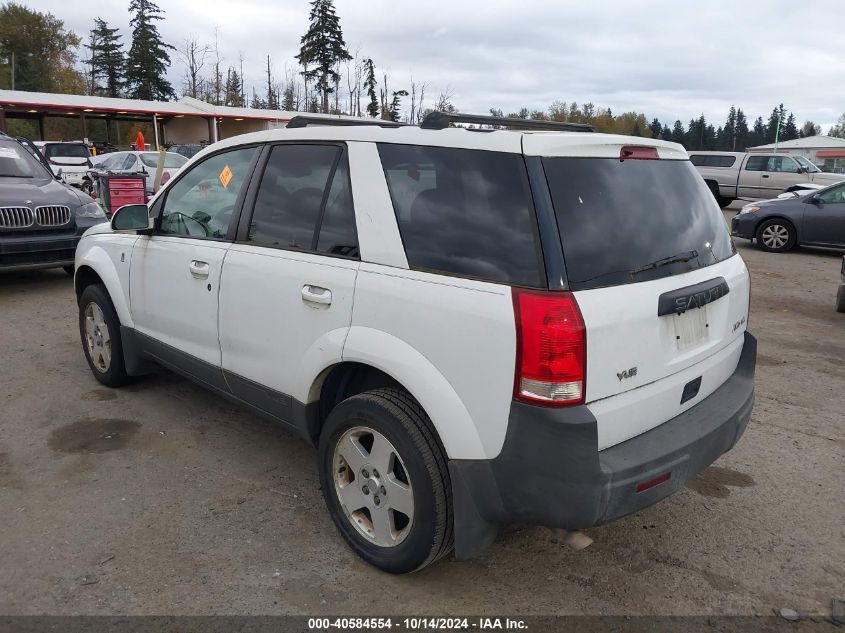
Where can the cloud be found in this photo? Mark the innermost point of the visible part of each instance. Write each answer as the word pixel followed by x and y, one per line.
pixel 665 58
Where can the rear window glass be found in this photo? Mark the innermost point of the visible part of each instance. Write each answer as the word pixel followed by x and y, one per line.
pixel 150 159
pixel 66 150
pixel 464 212
pixel 704 160
pixel 619 219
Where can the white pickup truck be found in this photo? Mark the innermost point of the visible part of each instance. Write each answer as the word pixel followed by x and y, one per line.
pixel 756 176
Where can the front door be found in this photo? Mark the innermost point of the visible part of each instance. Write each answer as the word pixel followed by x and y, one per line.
pixel 175 273
pixel 288 283
pixel 824 220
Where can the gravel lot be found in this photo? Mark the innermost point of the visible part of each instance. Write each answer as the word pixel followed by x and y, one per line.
pixel 162 498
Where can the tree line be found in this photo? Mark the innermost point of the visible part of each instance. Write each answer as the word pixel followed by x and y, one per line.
pixel 325 76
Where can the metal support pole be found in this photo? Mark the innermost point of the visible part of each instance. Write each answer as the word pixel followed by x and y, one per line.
pixel 155 128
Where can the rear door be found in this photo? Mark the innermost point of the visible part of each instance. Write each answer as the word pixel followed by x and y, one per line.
pixel 288 283
pixel 663 296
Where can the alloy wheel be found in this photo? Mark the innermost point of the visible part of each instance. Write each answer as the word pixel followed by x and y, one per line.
pixel 775 236
pixel 97 337
pixel 373 486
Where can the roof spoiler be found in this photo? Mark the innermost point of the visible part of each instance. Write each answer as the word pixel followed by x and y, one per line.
pixel 441 120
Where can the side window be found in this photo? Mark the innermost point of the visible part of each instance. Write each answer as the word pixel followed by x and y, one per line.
pixel 835 195
pixel 128 163
pixel 464 212
pixel 305 189
pixel 112 162
pixel 697 159
pixel 783 164
pixel 756 163
pixel 203 200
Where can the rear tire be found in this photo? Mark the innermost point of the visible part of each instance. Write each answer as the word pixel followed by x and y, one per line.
pixel 840 299
pixel 776 235
pixel 714 189
pixel 386 482
pixel 69 270
pixel 99 329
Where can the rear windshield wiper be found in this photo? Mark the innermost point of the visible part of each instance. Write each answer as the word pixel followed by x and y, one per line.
pixel 672 259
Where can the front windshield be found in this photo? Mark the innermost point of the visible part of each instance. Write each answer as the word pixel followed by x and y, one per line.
pixel 17 162
pixel 810 167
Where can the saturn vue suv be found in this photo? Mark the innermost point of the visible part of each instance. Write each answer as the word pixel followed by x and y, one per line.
pixel 473 327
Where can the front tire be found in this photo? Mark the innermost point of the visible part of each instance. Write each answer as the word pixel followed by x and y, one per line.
pixel 99 329
pixel 385 481
pixel 69 269
pixel 776 236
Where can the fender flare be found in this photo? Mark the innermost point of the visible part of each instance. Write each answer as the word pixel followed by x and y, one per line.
pixel 420 377
pixel 96 258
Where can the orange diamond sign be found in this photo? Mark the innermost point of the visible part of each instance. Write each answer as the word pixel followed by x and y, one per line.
pixel 225 176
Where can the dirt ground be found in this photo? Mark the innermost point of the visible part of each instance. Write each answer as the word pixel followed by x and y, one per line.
pixel 163 499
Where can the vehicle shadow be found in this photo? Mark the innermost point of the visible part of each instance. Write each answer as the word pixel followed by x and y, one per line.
pixel 43 278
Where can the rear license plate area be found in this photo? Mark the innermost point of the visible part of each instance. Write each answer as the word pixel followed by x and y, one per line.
pixel 691 328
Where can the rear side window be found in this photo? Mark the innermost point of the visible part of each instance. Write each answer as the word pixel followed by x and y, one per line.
pixel 757 163
pixel 627 221
pixel 66 150
pixel 464 212
pixel 304 201
pixel 706 160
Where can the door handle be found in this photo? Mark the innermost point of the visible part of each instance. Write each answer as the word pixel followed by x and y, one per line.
pixel 199 270
pixel 765 175
pixel 316 294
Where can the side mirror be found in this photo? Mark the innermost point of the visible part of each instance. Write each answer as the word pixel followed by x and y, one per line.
pixel 814 199
pixel 59 173
pixel 132 217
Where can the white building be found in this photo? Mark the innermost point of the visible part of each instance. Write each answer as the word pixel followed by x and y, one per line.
pixel 828 152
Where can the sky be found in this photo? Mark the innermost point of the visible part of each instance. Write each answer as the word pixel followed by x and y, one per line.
pixel 666 58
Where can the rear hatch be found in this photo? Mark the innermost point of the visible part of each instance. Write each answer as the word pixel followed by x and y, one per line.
pixel 663 295
pixel 70 157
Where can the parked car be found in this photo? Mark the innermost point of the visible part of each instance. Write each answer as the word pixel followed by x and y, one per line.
pixel 188 150
pixel 399 298
pixel 41 218
pixel 139 163
pixel 755 176
pixel 812 218
pixel 840 294
pixel 69 160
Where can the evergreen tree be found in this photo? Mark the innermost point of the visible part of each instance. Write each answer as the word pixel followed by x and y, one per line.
pixel 666 134
pixel 727 135
pixel 741 131
pixel 370 85
pixel 656 128
pixel 256 103
pixel 107 61
pixel 757 136
pixel 233 89
pixel 393 110
pixel 776 119
pixel 678 133
pixel 148 60
pixel 789 130
pixel 322 48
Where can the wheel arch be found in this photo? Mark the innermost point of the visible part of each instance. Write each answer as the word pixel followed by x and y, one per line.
pixel 95 266
pixel 373 359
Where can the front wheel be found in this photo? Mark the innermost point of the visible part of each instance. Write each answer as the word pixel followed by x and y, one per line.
pixel 386 482
pixel 776 236
pixel 99 328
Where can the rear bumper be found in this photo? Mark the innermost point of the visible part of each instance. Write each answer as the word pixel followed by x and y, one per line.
pixel 550 471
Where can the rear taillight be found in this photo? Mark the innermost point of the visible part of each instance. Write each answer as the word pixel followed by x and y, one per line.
pixel 551 354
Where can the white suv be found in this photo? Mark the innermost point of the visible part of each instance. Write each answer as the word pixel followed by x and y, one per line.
pixel 474 327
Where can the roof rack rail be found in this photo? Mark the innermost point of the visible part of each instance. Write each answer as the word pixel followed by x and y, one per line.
pixel 441 120
pixel 305 120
